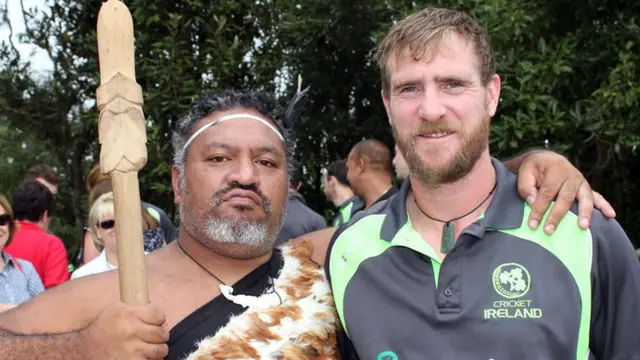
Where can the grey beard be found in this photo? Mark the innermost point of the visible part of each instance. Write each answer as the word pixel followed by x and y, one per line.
pixel 241 232
pixel 244 232
pixel 231 231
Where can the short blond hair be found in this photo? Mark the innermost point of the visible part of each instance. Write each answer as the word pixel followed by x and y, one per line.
pixel 422 33
pixel 102 206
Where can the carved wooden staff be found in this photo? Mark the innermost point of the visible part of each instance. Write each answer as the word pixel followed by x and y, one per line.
pixel 123 140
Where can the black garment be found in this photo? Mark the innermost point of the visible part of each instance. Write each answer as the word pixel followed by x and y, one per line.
pixel 394 190
pixel 207 320
pixel 300 219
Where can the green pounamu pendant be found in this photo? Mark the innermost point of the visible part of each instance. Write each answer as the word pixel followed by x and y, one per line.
pixel 447 238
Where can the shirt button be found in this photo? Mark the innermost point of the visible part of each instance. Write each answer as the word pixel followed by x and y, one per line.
pixel 448 292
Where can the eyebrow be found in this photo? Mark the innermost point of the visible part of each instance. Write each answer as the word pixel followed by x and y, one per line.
pixel 405 83
pixel 217 144
pixel 268 150
pixel 462 78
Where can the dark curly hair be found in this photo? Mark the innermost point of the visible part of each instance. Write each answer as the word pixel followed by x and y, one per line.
pixel 31 200
pixel 259 101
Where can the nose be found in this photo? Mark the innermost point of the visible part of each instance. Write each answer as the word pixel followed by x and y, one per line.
pixel 431 106
pixel 245 172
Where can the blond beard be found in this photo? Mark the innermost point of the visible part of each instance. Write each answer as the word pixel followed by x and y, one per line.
pixel 460 164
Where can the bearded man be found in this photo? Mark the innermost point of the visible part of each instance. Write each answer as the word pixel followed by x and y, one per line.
pixel 221 277
pixel 449 268
pixel 220 291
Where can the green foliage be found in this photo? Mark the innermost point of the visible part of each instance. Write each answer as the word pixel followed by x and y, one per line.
pixel 570 74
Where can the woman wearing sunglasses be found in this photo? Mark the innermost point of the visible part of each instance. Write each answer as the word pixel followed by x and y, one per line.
pixel 19 280
pixel 103 231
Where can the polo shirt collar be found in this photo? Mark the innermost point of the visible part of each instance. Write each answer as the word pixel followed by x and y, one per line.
pixel 506 197
pixel 347 202
pixel 507 207
pixel 29 224
pixel 9 260
pixel 396 215
pixel 6 257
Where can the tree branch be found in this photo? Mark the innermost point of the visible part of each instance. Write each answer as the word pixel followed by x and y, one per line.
pixel 45 46
pixel 5 18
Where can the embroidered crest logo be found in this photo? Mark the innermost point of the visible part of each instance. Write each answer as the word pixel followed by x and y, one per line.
pixel 511 280
pixel 387 355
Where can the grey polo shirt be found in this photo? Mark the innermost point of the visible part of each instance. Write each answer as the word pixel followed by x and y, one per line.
pixel 346 210
pixel 503 292
pixel 300 219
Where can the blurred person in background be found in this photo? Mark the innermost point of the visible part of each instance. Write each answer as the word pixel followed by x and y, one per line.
pixel 369 171
pixel 45 175
pixel 400 165
pixel 103 234
pixel 337 190
pixel 33 205
pixel 101 183
pixel 19 280
pixel 300 218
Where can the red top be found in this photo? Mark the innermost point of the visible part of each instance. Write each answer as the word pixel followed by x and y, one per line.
pixel 45 251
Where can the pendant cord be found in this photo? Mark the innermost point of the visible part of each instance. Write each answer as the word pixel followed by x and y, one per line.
pixel 273 288
pixel 459 217
pixel 197 263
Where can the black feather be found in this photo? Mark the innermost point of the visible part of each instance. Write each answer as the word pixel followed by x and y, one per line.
pixel 294 110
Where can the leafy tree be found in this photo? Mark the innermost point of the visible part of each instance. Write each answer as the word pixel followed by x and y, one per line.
pixel 570 73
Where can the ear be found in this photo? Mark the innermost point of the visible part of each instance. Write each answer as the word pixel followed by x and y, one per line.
pixel 175 183
pixel 361 164
pixel 493 94
pixel 385 100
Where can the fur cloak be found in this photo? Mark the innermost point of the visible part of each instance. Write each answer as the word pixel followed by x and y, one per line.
pixel 294 320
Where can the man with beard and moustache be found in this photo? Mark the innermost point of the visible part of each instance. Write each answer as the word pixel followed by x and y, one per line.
pixel 449 266
pixel 230 181
pixel 221 276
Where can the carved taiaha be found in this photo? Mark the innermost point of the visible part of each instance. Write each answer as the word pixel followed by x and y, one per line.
pixel 123 140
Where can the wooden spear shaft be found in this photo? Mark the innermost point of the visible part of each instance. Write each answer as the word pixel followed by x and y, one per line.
pixel 123 139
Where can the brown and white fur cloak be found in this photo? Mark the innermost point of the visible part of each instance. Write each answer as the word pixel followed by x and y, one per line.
pixel 297 322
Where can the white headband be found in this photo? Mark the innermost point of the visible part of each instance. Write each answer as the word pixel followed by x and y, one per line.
pixel 231 117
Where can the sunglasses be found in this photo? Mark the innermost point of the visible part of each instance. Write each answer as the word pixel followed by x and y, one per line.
pixel 108 224
pixel 5 219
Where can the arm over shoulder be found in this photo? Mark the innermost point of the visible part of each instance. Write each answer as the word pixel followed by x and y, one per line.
pixel 320 240
pixel 615 312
